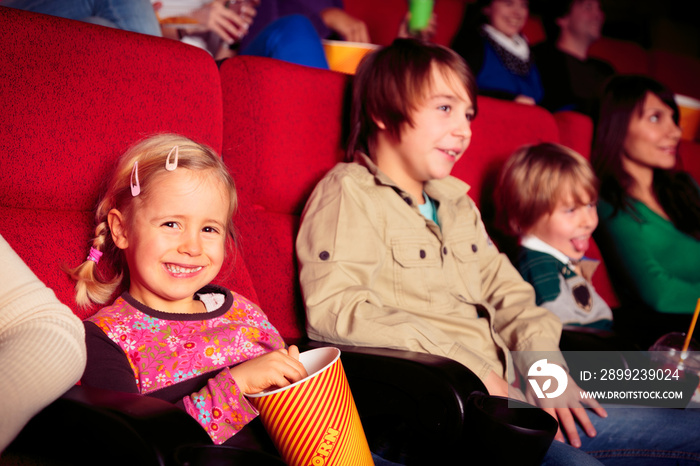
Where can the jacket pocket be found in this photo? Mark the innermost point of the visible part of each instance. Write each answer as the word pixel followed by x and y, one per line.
pixel 417 272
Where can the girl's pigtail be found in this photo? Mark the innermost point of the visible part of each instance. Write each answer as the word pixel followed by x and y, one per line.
pixel 90 287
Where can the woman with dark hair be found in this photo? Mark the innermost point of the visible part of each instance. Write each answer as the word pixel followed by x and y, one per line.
pixel 490 41
pixel 649 209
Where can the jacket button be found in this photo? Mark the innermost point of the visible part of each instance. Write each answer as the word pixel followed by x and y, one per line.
pixel 474 248
pixel 422 254
pixel 444 250
pixel 324 256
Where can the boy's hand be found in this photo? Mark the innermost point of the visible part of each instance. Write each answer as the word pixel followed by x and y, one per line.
pixel 568 411
pixel 272 370
pixel 497 386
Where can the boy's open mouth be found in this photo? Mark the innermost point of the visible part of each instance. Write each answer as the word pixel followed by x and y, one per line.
pixel 581 243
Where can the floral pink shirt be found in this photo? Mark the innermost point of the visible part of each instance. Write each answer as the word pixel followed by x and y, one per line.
pixel 164 349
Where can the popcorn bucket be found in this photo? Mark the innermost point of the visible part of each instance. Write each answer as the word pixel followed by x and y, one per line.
pixel 314 422
pixel 689 110
pixel 345 56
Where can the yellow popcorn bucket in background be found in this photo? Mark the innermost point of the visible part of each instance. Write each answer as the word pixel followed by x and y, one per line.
pixel 314 422
pixel 689 110
pixel 345 56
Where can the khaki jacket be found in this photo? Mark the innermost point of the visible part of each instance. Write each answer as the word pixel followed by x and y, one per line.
pixel 375 272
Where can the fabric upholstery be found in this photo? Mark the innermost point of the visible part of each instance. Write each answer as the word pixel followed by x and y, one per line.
pixel 689 152
pixel 575 131
pixel 534 30
pixel 625 56
pixel 278 146
pixel 681 73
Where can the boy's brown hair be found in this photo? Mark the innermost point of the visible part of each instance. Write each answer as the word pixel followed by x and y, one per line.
pixel 535 178
pixel 389 83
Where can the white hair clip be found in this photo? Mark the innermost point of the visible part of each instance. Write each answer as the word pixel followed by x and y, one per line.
pixel 135 186
pixel 170 166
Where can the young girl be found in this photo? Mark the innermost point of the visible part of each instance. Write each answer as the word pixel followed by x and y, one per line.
pixel 547 195
pixel 164 225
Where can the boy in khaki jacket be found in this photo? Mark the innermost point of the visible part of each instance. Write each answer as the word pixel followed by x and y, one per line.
pixel 392 251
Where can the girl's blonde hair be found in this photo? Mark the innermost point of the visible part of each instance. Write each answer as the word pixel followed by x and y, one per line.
pixel 151 154
pixel 535 178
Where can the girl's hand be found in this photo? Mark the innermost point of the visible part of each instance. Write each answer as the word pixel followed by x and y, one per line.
pixel 276 369
pixel 225 23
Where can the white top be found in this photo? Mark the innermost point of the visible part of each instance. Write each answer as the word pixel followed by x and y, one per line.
pixel 517 45
pixel 42 345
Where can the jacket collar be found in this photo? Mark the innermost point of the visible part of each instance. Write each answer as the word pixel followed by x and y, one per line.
pixel 449 188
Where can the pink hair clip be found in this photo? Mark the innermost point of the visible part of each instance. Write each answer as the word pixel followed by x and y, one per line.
pixel 135 187
pixel 94 255
pixel 172 166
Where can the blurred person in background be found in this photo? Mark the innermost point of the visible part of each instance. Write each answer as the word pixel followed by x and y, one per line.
pixel 491 42
pixel 129 15
pixel 571 79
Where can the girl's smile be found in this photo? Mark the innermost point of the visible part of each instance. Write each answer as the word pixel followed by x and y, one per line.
pixel 182 271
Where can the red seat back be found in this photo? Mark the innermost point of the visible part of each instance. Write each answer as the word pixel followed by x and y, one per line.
pixel 575 131
pixel 681 73
pixel 689 152
pixel 625 56
pixel 282 133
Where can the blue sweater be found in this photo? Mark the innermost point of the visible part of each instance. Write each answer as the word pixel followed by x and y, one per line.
pixel 494 76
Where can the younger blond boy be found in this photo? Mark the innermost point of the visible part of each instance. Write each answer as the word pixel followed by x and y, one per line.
pixel 547 195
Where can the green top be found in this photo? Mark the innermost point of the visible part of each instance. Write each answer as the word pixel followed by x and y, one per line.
pixel 649 259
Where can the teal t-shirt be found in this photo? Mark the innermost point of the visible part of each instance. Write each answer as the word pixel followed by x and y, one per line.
pixel 428 209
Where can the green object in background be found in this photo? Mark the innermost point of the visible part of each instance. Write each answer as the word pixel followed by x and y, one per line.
pixel 421 10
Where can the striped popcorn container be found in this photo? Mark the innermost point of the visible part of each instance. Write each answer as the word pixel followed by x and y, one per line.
pixel 314 422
